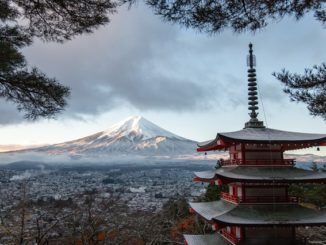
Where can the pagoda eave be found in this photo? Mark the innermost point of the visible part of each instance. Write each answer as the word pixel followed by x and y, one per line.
pixel 211 239
pixel 229 141
pixel 270 224
pixel 209 210
pixel 286 145
pixel 288 140
pixel 212 145
pixel 226 213
pixel 273 214
pixel 261 175
pixel 219 240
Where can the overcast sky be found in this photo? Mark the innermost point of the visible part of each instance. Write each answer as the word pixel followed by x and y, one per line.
pixel 190 83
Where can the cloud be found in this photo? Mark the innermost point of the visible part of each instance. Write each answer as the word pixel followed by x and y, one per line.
pixel 9 113
pixel 128 63
pixel 138 61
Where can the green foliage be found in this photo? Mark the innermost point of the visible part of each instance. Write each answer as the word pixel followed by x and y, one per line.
pixel 309 88
pixel 176 209
pixel 56 20
pixel 219 163
pixel 212 193
pixel 31 90
pixel 215 16
pixel 309 193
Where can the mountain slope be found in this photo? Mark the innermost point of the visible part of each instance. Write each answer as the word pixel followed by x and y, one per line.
pixel 134 135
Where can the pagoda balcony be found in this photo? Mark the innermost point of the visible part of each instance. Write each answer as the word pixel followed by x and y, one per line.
pixel 230 198
pixel 231 238
pixel 258 199
pixel 269 199
pixel 273 162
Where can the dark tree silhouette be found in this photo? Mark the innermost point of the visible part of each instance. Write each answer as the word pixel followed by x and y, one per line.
pixel 50 20
pixel 309 88
pixel 239 15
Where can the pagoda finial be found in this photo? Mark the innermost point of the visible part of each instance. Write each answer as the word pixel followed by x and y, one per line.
pixel 252 92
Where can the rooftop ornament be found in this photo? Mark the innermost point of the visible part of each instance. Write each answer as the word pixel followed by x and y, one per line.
pixel 252 92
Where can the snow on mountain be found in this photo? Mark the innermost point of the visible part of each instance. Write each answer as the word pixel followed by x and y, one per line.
pixel 134 135
pixel 137 127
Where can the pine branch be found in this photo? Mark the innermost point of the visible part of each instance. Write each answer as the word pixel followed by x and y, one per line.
pixel 309 88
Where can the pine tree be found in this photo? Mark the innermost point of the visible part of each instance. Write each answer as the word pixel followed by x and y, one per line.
pixel 212 193
pixel 309 88
pixel 50 20
pixel 214 16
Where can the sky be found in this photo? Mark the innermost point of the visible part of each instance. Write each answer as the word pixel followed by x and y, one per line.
pixel 190 83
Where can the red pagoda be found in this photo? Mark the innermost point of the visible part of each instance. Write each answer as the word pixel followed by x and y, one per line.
pixel 257 208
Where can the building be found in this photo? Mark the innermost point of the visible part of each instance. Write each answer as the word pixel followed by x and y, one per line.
pixel 257 208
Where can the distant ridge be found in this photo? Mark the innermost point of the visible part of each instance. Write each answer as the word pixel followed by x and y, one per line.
pixel 132 139
pixel 133 135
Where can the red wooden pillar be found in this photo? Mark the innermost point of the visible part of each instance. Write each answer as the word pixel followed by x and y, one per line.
pixel 244 192
pixel 233 231
pixel 286 193
pixel 243 155
pixel 235 190
pixel 293 233
pixel 243 233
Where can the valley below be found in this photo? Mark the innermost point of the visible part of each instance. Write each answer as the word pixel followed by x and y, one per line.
pixel 115 195
pixel 129 203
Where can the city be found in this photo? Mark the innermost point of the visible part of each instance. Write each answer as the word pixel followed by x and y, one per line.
pixel 51 192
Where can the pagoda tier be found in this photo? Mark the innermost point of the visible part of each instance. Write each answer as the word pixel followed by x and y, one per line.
pixel 270 174
pixel 259 238
pixel 228 214
pixel 212 239
pixel 263 136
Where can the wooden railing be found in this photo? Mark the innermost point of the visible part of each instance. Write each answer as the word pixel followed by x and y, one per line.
pixel 258 199
pixel 281 162
pixel 230 237
pixel 269 199
pixel 226 196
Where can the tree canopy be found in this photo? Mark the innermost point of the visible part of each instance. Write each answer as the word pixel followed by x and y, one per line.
pixel 309 88
pixel 243 15
pixel 50 20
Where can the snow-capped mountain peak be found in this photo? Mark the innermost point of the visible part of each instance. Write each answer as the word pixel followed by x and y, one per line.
pixel 133 136
pixel 137 128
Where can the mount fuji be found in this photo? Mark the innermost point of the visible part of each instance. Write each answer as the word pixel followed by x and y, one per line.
pixel 132 136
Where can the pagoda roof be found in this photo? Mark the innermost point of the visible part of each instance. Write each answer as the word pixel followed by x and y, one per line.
pixel 210 239
pixel 259 214
pixel 217 239
pixel 209 210
pixel 262 174
pixel 263 135
pixel 281 214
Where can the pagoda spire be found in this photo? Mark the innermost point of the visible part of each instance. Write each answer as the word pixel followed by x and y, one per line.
pixel 252 92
